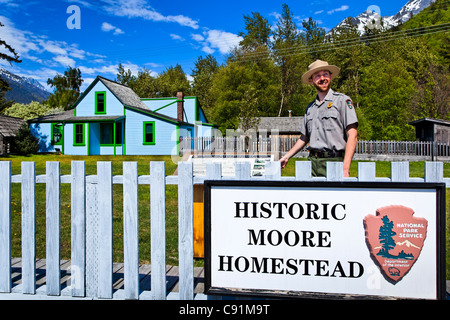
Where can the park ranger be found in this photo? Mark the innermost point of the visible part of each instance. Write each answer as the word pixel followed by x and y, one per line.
pixel 329 125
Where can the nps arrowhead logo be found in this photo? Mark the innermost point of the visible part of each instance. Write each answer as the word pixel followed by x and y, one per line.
pixel 395 239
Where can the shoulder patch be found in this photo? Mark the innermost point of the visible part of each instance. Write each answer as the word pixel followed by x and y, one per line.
pixel 349 103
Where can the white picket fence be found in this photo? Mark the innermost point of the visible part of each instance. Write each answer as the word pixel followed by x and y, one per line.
pixel 91 223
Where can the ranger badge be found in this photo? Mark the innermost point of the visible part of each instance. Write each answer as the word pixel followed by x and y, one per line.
pixel 349 103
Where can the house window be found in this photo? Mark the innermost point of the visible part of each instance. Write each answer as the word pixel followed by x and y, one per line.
pixel 57 133
pixel 100 102
pixel 78 134
pixel 149 132
pixel 106 134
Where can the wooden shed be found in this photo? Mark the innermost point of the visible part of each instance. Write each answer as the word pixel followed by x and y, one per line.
pixel 428 129
pixel 8 129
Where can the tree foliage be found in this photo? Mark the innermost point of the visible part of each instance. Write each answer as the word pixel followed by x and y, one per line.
pixel 25 142
pixel 67 88
pixel 9 54
pixel 393 76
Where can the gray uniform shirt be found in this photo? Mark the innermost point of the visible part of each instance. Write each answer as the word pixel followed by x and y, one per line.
pixel 325 122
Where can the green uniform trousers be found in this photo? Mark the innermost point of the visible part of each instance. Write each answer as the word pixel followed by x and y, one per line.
pixel 319 165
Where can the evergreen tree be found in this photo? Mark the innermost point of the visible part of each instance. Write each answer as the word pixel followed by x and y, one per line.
pixel 257 33
pixel 125 76
pixel 386 237
pixel 171 81
pixel 9 54
pixel 25 142
pixel 286 41
pixel 202 74
pixel 67 88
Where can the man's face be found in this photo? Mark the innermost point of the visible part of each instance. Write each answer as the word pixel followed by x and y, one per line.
pixel 321 80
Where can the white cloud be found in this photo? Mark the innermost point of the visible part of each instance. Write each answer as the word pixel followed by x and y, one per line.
pixel 176 37
pixel 140 9
pixel 197 37
pixel 106 27
pixel 341 8
pixel 213 40
pixel 65 61
pixel 318 12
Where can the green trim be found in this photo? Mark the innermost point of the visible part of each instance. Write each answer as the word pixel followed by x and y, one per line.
pixel 166 105
pixel 150 113
pixel 124 149
pixel 88 139
pixel 75 133
pixel 61 140
pixel 97 93
pixel 114 138
pixel 144 140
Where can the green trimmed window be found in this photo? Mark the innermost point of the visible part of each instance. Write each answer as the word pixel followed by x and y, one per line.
pixel 100 102
pixel 78 134
pixel 107 134
pixel 57 133
pixel 149 132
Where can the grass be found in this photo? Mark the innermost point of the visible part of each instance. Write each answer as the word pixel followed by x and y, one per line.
pixel 382 170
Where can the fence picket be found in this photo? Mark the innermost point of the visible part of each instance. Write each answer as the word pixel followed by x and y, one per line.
pixel 130 230
pixel 78 229
pixel 28 228
pixel 335 171
pixel 400 171
pixel 53 204
pixel 303 170
pixel 434 171
pixel 5 226
pixel 105 239
pixel 366 171
pixel 185 230
pixel 158 229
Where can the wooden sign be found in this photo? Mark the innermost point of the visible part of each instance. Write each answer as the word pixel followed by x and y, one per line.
pixel 303 239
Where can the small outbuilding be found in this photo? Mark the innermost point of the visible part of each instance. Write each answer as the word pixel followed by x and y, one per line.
pixel 8 129
pixel 428 129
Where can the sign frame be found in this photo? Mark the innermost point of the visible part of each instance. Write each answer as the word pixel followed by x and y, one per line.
pixel 440 229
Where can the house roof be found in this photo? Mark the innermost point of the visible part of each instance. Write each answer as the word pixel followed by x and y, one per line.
pixel 58 117
pixel 10 125
pixel 430 120
pixel 124 94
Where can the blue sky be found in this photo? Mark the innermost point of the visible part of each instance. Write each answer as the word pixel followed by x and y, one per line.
pixel 152 34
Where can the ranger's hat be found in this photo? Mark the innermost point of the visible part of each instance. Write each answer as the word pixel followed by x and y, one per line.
pixel 317 66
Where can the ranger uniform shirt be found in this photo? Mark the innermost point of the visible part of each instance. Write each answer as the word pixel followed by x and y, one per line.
pixel 325 122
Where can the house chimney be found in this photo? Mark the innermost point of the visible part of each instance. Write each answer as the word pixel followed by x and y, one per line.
pixel 180 107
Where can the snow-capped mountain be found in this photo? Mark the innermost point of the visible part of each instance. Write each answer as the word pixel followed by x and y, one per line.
pixel 372 16
pixel 23 89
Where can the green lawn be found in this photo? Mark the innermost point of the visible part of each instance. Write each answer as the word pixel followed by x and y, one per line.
pixel 382 170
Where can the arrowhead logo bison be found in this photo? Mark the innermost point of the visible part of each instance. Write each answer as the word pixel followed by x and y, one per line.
pixel 395 239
